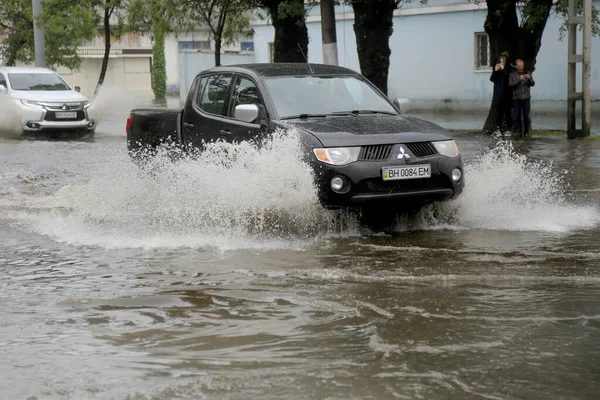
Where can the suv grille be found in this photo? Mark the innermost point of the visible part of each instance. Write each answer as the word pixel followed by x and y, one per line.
pixel 421 149
pixel 375 153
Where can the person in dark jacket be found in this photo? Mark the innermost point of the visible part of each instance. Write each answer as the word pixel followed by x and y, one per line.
pixel 521 82
pixel 502 98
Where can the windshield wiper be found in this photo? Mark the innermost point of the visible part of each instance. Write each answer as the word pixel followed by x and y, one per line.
pixel 356 112
pixel 305 116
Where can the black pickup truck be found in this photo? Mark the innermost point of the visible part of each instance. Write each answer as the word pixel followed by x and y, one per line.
pixel 363 150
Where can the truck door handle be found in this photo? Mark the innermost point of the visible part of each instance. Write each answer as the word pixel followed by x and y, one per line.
pixel 187 126
pixel 225 132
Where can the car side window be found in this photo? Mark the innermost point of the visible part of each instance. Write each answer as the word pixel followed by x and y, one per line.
pixel 244 92
pixel 200 90
pixel 215 94
pixel 3 81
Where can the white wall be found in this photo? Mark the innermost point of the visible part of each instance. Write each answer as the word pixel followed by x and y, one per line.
pixel 172 62
pixel 172 55
pixel 433 55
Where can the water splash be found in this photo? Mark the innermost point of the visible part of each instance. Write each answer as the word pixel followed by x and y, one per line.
pixel 507 191
pixel 10 123
pixel 229 196
pixel 236 196
pixel 111 107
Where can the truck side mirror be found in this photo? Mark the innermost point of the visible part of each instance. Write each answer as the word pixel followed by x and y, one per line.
pixel 77 88
pixel 401 104
pixel 3 89
pixel 246 112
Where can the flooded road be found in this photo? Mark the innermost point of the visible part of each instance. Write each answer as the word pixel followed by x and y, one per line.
pixel 116 284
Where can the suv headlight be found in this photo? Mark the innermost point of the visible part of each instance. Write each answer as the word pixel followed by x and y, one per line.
pixel 31 103
pixel 446 148
pixel 337 155
pixel 85 104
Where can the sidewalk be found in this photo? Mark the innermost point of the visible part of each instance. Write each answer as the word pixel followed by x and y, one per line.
pixel 475 121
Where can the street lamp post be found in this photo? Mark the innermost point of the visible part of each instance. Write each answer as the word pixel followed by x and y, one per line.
pixel 38 34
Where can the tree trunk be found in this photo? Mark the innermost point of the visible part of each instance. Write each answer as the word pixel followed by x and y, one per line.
pixel 218 50
pixel 520 41
pixel 291 34
pixel 159 69
pixel 218 35
pixel 107 14
pixel 373 27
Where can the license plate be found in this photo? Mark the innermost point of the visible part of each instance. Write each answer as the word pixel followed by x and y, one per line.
pixel 408 172
pixel 69 114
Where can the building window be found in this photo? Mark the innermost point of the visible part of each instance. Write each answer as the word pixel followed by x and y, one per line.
pixel 247 46
pixel 271 51
pixel 195 45
pixel 483 55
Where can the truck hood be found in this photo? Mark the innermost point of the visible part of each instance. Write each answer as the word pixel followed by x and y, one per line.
pixel 363 130
pixel 51 96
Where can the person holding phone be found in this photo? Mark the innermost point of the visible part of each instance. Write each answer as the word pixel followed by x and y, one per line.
pixel 502 97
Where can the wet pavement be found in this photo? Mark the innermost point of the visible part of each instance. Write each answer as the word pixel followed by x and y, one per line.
pixel 119 285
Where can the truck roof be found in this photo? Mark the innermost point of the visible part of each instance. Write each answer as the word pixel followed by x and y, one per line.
pixel 289 69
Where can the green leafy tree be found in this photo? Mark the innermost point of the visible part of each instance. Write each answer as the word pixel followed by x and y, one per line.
pixel 161 18
pixel 66 25
pixel 159 71
pixel 114 17
pixel 227 20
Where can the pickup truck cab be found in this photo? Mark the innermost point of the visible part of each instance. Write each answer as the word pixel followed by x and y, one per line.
pixel 45 102
pixel 363 151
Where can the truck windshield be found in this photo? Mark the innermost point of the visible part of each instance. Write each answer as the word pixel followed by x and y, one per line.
pixel 37 82
pixel 318 95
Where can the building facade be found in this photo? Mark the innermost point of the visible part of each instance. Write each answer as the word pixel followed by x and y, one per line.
pixel 440 55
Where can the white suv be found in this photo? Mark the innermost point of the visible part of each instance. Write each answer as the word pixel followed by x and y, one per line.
pixel 45 101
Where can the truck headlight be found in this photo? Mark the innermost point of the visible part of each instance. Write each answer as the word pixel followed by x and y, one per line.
pixel 446 148
pixel 337 155
pixel 31 103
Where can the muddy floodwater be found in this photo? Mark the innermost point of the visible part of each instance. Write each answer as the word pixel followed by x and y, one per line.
pixel 217 279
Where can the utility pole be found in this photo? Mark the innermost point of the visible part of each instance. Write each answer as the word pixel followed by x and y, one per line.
pixel 330 55
pixel 573 58
pixel 38 34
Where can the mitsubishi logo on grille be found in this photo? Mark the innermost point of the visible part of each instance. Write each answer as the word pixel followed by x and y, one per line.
pixel 403 154
pixel 64 107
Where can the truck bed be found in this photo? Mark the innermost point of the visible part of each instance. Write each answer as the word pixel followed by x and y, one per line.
pixel 151 127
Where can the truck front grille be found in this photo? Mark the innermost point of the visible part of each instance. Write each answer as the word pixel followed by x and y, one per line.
pixel 421 149
pixel 375 153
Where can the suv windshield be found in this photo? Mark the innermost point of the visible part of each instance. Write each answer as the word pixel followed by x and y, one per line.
pixel 37 82
pixel 318 95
